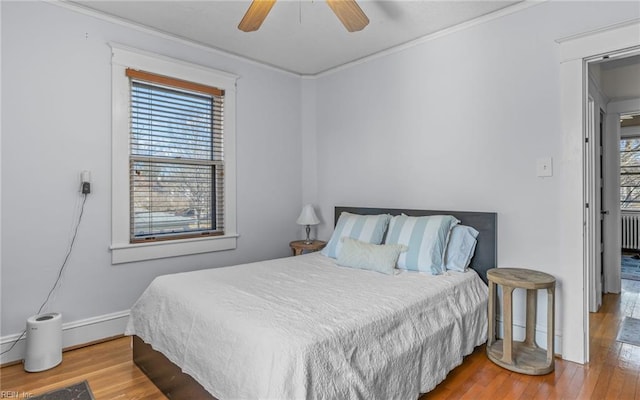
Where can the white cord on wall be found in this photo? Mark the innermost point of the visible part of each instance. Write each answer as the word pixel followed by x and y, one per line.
pixel 60 271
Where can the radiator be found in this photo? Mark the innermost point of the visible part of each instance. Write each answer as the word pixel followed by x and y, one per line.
pixel 630 231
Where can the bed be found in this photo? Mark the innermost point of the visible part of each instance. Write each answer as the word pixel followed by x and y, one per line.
pixel 303 327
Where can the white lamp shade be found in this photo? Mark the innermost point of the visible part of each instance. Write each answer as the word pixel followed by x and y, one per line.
pixel 307 216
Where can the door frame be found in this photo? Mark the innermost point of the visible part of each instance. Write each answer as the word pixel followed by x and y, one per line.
pixel 578 228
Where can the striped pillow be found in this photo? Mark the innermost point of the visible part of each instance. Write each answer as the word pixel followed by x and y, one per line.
pixel 365 228
pixel 426 238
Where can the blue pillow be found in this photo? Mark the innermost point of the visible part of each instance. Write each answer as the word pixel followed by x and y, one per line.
pixel 373 257
pixel 366 228
pixel 462 245
pixel 426 238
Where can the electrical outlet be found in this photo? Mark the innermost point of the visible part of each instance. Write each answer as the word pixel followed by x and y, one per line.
pixel 86 187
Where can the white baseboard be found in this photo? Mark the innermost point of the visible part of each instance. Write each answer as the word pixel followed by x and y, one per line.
pixel 74 333
pixel 104 326
pixel 541 335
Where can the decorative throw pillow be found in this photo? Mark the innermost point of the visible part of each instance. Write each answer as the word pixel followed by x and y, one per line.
pixel 426 238
pixel 374 257
pixel 460 249
pixel 366 228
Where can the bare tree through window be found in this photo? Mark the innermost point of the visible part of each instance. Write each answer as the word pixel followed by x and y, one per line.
pixel 630 174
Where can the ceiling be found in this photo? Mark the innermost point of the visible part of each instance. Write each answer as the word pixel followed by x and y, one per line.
pixel 299 36
pixel 618 78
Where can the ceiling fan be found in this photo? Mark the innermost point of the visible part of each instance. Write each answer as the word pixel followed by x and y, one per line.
pixel 347 11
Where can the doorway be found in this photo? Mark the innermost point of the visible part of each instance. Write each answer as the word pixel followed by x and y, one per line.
pixel 607 103
pixel 579 222
pixel 610 95
pixel 630 196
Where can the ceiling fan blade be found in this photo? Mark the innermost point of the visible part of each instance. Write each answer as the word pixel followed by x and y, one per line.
pixel 350 14
pixel 255 15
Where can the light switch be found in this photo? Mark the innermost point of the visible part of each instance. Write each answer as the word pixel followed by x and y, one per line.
pixel 544 167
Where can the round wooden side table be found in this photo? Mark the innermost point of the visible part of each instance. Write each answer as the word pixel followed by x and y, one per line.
pixel 300 246
pixel 524 357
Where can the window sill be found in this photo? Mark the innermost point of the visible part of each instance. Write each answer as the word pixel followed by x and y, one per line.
pixel 126 252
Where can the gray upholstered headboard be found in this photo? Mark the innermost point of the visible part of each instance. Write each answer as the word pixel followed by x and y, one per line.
pixel 486 223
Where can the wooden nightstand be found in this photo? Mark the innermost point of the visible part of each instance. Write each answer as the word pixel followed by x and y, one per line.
pixel 298 246
pixel 523 357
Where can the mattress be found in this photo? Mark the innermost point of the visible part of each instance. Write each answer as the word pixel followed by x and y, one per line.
pixel 304 328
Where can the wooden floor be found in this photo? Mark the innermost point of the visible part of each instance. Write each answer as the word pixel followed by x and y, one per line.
pixel 613 372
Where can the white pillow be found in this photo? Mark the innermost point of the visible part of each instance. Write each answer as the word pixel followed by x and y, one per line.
pixel 366 228
pixel 460 249
pixel 374 257
pixel 426 238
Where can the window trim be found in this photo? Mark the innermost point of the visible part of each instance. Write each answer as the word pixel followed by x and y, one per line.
pixel 122 251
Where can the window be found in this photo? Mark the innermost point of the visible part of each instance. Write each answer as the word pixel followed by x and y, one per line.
pixel 630 173
pixel 176 158
pixel 173 171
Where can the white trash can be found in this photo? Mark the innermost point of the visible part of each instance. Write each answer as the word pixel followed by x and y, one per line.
pixel 44 342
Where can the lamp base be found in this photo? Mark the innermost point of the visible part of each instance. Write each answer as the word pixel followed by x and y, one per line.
pixel 308 241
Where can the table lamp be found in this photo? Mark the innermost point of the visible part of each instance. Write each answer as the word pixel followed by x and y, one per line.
pixel 308 217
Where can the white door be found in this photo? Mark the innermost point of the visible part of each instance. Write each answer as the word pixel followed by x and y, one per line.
pixel 604 214
pixel 593 169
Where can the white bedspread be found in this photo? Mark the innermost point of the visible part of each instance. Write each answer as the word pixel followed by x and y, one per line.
pixel 304 328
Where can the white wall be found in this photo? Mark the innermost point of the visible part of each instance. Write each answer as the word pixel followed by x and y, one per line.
pixel 56 118
pixel 458 123
pixel 611 202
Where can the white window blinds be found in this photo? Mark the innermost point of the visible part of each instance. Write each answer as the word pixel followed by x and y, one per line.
pixel 176 158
